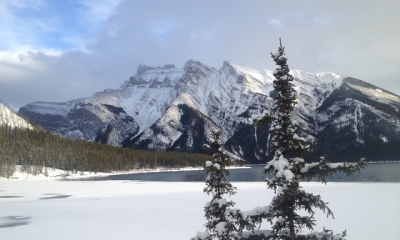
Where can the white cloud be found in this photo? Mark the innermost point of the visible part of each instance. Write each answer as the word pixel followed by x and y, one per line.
pixel 204 35
pixel 20 65
pixel 276 23
pixel 163 28
pixel 314 20
pixel 111 38
pixel 99 10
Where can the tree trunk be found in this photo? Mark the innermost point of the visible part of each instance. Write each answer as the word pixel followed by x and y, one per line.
pixel 291 227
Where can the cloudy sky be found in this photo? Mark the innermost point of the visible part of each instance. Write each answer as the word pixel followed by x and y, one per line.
pixel 56 51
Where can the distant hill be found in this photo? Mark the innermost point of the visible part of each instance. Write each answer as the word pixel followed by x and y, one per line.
pixel 10 118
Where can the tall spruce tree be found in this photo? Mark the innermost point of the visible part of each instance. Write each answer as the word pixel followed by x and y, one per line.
pixel 289 168
pixel 223 222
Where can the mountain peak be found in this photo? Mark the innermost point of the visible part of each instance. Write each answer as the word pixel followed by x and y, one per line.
pixel 143 68
pixel 191 63
pixel 194 64
pixel 227 65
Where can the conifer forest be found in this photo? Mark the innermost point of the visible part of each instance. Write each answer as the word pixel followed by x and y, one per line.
pixel 36 150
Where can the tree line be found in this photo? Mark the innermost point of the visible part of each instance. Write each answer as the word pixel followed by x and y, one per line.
pixel 35 150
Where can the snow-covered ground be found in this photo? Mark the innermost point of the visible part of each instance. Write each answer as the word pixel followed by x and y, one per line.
pixel 57 174
pixel 65 210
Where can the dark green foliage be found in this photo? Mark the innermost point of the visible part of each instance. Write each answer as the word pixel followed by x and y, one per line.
pixel 35 150
pixel 217 186
pixel 284 133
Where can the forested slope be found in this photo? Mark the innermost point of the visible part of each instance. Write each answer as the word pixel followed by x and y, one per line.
pixel 36 150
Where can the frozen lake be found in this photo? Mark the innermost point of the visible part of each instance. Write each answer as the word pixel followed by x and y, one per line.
pixel 108 210
pixel 169 205
pixel 373 172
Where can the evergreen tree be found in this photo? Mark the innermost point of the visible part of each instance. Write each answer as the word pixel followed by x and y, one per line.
pixel 289 168
pixel 223 222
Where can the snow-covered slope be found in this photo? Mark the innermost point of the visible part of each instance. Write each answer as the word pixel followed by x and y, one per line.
pixel 359 119
pixel 80 119
pixel 8 117
pixel 169 108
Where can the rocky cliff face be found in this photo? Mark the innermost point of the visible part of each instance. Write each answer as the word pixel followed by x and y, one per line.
pixel 358 119
pixel 174 109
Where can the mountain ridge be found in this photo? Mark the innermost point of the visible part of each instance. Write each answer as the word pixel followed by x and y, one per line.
pixel 168 108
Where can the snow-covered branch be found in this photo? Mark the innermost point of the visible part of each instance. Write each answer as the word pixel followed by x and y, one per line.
pixel 256 235
pixel 323 235
pixel 323 169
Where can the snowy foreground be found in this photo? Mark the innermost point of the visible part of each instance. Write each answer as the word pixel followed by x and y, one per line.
pixel 65 210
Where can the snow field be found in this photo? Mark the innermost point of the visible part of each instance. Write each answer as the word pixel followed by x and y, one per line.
pixel 103 210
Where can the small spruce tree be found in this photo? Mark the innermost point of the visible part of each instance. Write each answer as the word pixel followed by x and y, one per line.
pixel 289 168
pixel 223 222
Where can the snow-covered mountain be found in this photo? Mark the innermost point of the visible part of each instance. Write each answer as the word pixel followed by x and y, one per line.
pixel 8 117
pixel 174 109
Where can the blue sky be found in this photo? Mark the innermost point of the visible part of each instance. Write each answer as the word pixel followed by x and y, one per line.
pixel 49 24
pixel 54 50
